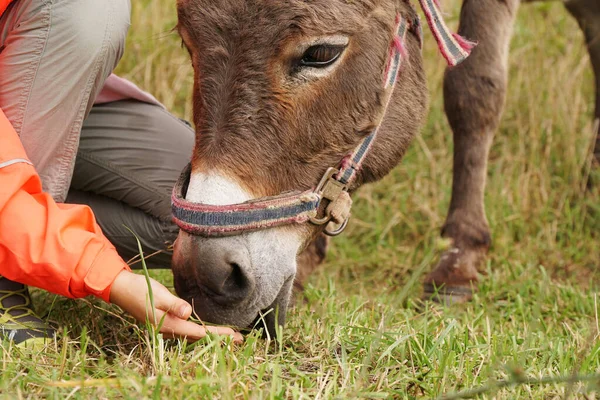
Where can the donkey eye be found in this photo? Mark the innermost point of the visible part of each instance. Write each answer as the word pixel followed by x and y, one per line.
pixel 321 55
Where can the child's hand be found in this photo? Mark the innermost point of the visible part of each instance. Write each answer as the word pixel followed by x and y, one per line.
pixel 130 292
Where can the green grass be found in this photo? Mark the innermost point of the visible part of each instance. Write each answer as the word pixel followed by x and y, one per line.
pixel 360 333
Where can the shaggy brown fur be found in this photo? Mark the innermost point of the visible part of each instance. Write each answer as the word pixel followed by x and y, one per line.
pixel 271 130
pixel 267 128
pixel 263 125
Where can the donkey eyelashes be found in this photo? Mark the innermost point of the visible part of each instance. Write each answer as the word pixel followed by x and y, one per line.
pixel 321 55
pixel 318 59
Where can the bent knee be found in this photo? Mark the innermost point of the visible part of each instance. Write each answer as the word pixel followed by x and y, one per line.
pixel 474 98
pixel 93 31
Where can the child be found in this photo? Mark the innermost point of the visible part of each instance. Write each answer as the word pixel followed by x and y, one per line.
pixel 105 158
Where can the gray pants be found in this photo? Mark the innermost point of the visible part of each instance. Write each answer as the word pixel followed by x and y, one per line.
pixel 120 158
pixel 129 157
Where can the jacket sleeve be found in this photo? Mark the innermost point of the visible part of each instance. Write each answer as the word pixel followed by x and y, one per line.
pixel 56 247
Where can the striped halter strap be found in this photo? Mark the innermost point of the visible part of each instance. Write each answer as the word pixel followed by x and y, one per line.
pixel 329 203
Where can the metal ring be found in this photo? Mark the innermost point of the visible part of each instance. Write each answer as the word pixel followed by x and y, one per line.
pixel 337 231
pixel 320 221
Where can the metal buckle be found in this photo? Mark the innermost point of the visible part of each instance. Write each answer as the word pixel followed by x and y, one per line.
pixel 329 188
pixel 335 232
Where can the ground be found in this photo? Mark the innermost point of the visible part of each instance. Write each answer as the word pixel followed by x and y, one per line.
pixel 360 333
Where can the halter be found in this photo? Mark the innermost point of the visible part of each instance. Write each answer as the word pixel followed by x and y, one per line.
pixel 329 203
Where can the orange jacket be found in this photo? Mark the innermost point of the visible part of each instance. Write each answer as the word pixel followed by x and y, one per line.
pixel 3 5
pixel 56 247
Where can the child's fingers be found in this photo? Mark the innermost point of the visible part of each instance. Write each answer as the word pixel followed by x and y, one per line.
pixel 221 330
pixel 176 311
pixel 167 301
pixel 179 328
pixel 175 327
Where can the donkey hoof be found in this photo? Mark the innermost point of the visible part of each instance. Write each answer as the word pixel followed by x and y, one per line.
pixel 447 294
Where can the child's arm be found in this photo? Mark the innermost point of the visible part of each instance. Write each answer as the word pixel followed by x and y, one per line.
pixel 60 248
pixel 56 247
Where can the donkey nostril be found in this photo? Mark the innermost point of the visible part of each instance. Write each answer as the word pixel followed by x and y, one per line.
pixel 237 281
pixel 224 270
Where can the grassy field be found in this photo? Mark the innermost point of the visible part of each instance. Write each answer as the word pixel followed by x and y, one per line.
pixel 359 334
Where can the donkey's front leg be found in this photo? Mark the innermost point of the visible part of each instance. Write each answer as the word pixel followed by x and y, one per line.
pixel 474 94
pixel 587 13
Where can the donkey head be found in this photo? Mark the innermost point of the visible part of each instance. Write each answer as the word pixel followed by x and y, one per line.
pixel 282 91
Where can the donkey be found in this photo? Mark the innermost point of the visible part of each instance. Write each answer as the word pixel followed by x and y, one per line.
pixel 285 90
pixel 474 96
